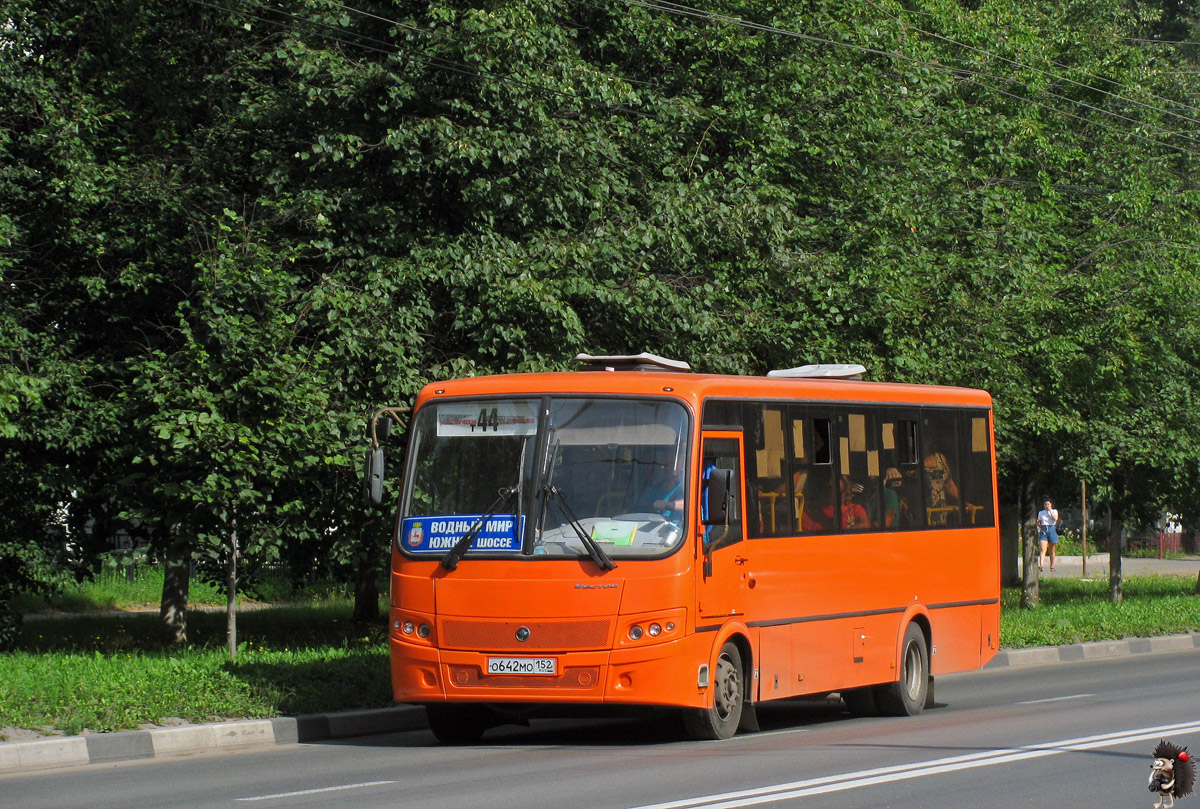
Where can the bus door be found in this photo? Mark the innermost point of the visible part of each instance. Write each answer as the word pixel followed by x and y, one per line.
pixel 724 562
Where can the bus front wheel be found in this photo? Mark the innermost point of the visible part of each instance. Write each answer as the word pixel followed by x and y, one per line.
pixel 720 720
pixel 906 696
pixel 453 723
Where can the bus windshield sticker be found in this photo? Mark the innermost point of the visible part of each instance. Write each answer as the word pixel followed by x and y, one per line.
pixel 486 419
pixel 500 534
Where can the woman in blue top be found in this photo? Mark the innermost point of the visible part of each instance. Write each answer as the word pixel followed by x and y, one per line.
pixel 1047 520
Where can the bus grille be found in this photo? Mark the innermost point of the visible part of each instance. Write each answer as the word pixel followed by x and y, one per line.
pixel 501 636
pixel 472 677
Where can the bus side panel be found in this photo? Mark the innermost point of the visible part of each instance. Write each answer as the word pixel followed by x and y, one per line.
pixel 955 639
pixel 829 611
pixel 835 654
pixel 965 617
pixel 818 628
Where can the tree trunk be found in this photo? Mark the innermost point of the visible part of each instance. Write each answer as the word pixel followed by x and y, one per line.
pixel 1116 531
pixel 366 591
pixel 177 574
pixel 1011 574
pixel 1031 595
pixel 1187 538
pixel 1115 591
pixel 231 593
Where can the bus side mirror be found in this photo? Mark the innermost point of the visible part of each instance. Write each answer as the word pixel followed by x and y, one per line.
pixel 373 476
pixel 383 428
pixel 718 497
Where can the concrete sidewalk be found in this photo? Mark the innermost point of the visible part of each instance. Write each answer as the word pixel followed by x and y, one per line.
pixel 1097 566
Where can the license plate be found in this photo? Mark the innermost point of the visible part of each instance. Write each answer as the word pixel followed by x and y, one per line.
pixel 522 665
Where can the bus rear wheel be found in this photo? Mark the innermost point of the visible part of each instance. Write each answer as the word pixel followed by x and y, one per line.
pixel 454 723
pixel 906 696
pixel 721 719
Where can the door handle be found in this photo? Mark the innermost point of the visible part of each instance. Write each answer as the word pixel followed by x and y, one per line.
pixel 740 560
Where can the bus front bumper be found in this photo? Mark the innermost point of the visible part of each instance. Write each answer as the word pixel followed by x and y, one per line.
pixel 659 674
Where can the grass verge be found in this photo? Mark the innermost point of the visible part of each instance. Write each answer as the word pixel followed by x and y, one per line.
pixel 1075 610
pixel 105 673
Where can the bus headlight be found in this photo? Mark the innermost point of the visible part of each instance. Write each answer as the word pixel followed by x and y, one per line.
pixel 653 628
pixel 411 628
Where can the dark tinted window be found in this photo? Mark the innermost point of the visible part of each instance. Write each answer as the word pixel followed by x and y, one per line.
pixel 976 458
pixel 941 473
pixel 767 484
pixel 812 471
pixel 827 469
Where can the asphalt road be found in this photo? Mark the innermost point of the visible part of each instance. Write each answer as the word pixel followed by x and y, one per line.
pixel 1071 734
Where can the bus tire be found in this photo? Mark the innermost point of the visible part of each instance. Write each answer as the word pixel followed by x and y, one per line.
pixel 720 720
pixel 454 723
pixel 906 696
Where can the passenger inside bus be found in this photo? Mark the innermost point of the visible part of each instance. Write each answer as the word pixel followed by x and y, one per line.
pixel 854 515
pixel 819 505
pixel 889 495
pixel 942 501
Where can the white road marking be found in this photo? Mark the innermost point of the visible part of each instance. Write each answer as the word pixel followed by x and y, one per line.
pixel 1055 699
pixel 315 791
pixel 901 772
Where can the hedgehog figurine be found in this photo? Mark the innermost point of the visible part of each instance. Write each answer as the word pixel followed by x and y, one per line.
pixel 1172 775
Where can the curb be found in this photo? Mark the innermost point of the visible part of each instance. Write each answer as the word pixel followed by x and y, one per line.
pixel 247 734
pixel 1093 650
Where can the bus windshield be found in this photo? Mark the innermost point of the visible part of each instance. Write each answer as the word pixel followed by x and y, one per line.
pixel 541 478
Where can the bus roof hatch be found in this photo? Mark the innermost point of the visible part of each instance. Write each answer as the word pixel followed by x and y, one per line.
pixel 631 362
pixel 832 371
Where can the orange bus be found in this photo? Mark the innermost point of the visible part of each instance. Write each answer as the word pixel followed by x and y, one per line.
pixel 635 534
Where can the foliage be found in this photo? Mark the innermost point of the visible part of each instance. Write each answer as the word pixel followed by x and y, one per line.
pixel 228 232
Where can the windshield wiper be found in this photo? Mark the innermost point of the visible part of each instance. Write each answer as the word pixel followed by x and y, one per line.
pixel 450 560
pixel 597 553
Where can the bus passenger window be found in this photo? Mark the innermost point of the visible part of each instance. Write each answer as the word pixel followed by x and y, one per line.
pixel 821 452
pixel 976 478
pixel 901 484
pixel 857 453
pixel 769 512
pixel 813 495
pixel 939 466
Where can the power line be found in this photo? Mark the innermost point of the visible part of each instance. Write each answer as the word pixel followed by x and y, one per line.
pixel 1055 76
pixel 1058 65
pixel 1161 41
pixel 688 11
pixel 678 9
pixel 391 49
